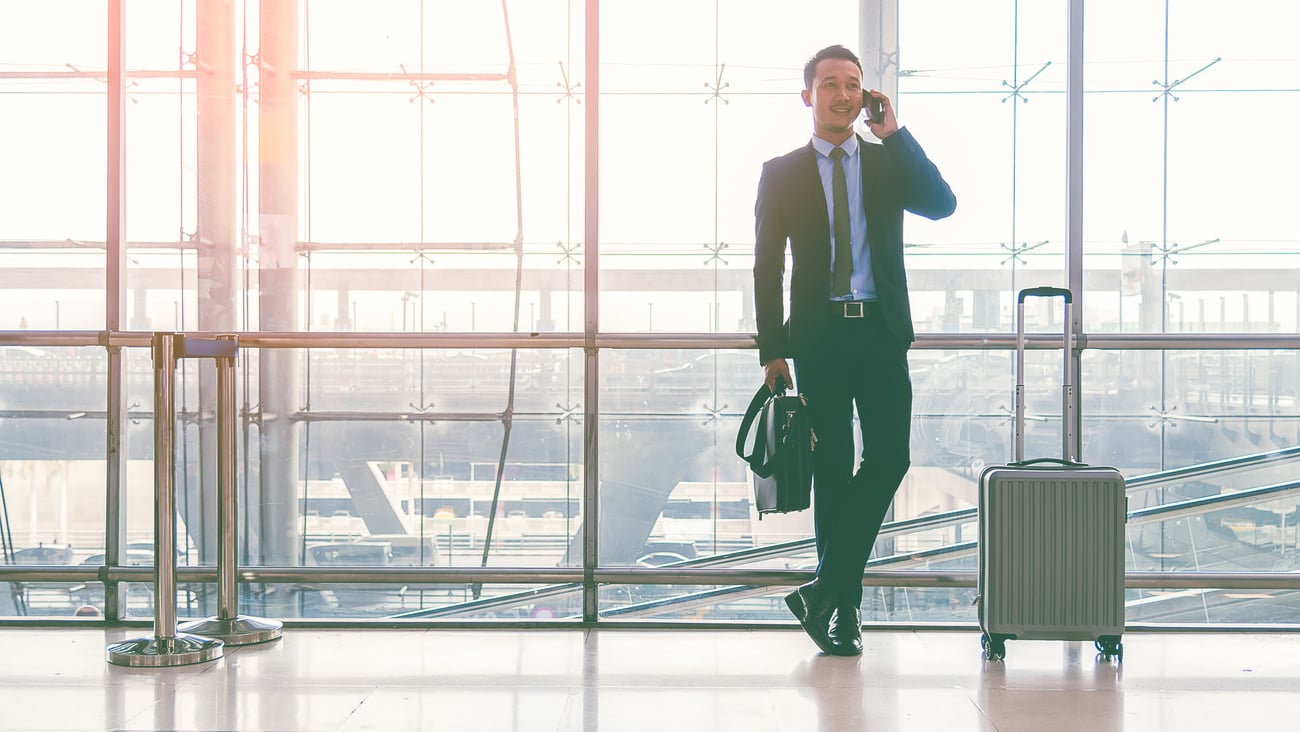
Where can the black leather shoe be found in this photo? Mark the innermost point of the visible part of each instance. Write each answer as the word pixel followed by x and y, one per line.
pixel 846 632
pixel 813 608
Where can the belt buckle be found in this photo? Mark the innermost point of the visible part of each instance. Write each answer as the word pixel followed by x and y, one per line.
pixel 855 309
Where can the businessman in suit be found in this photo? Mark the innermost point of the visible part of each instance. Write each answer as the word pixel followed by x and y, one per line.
pixel 837 203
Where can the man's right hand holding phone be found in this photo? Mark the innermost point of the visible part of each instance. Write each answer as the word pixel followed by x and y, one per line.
pixel 879 114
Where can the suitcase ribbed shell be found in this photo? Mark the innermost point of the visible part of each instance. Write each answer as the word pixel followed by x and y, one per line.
pixel 1052 552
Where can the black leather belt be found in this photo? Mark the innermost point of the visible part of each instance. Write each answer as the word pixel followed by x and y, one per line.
pixel 855 309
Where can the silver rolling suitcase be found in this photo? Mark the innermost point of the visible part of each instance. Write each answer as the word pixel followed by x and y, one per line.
pixel 1051 542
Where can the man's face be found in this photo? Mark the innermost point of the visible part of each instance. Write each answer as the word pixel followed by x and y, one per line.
pixel 835 98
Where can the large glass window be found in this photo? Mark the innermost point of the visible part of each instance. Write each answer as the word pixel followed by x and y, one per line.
pixel 52 153
pixel 1184 232
pixel 401 196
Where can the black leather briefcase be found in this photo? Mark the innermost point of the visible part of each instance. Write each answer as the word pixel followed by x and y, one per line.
pixel 782 454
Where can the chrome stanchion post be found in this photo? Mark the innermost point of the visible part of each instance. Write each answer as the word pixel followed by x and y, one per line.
pixel 167 647
pixel 229 625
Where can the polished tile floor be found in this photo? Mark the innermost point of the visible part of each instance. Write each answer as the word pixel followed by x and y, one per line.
pixel 630 680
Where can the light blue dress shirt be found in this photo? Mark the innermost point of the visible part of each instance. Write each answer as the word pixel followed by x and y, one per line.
pixel 863 287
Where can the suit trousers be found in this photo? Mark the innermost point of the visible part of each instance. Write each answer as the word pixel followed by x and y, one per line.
pixel 859 365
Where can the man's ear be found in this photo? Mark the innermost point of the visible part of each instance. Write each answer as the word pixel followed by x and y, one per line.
pixel 807 97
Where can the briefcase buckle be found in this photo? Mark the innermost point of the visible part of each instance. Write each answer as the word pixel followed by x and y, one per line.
pixel 855 309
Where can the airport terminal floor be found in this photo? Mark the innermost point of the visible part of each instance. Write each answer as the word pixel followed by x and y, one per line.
pixel 627 680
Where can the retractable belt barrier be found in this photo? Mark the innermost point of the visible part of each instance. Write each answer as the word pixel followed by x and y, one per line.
pixel 201 640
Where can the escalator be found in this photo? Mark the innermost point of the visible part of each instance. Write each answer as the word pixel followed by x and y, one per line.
pixel 1228 515
pixel 12 599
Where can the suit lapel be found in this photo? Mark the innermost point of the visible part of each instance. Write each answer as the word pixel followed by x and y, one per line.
pixel 808 180
pixel 806 189
pixel 869 163
pixel 868 167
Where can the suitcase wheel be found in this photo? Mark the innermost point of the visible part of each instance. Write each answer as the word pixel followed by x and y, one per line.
pixel 1110 647
pixel 995 646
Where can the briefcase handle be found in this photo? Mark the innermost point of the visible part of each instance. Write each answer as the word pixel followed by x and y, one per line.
pixel 756 459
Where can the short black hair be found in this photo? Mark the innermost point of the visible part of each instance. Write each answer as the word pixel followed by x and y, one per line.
pixel 810 68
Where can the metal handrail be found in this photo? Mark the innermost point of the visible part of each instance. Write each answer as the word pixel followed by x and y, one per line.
pixel 1201 470
pixel 1222 501
pixel 658 576
pixel 551 339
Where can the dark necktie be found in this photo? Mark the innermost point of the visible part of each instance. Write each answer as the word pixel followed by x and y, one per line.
pixel 843 243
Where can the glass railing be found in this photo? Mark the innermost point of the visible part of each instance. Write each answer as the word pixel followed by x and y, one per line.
pixel 400 430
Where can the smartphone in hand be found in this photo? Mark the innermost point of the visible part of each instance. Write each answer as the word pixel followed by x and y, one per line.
pixel 875 109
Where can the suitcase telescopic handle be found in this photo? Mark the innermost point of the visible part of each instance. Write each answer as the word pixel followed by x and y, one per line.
pixel 1067 376
pixel 1046 292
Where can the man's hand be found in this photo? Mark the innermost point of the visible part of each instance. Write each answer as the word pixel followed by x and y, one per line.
pixel 774 368
pixel 890 125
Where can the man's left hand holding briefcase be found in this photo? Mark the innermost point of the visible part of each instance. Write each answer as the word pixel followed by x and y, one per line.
pixel 782 455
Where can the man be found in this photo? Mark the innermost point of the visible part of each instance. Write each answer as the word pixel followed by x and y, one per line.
pixel 849 324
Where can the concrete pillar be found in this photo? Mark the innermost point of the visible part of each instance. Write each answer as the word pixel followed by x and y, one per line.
pixel 277 509
pixel 216 239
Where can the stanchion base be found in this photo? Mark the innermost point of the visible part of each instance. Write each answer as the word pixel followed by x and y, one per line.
pixel 239 631
pixel 180 650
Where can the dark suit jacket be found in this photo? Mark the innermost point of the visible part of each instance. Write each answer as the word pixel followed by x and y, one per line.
pixel 791 207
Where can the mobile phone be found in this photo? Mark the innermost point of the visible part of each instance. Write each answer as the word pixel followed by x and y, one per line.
pixel 875 108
